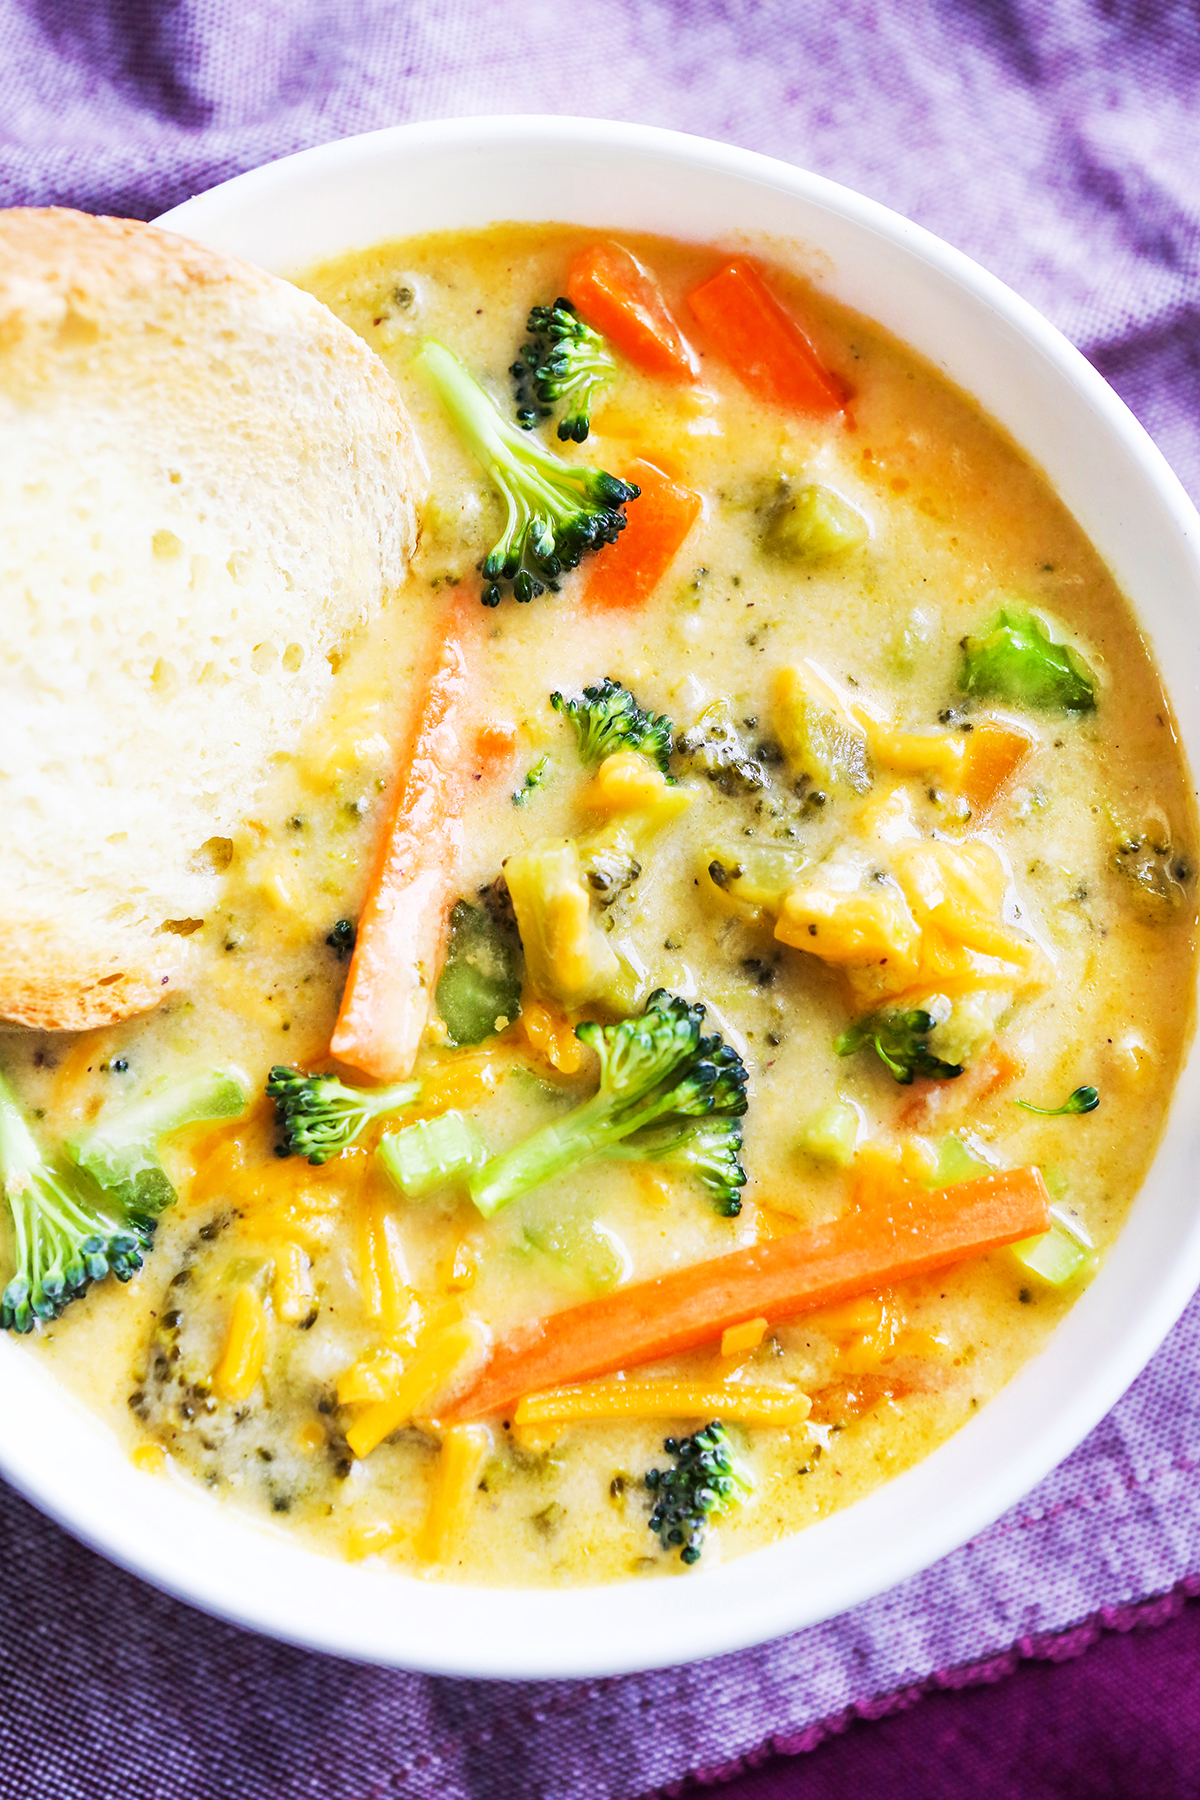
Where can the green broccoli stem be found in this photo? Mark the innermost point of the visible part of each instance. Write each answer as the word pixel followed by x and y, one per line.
pixel 586 1133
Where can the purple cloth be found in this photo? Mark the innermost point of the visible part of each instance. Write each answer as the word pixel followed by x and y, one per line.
pixel 1056 143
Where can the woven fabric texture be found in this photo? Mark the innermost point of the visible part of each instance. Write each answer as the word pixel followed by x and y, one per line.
pixel 1055 142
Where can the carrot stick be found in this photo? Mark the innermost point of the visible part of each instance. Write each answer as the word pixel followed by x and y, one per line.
pixel 626 573
pixel 762 342
pixel 614 294
pixel 776 1279
pixel 401 941
pixel 994 752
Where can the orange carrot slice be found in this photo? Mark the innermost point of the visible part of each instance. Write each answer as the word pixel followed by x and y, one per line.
pixel 626 573
pixel 762 342
pixel 782 1276
pixel 401 940
pixel 994 752
pixel 614 294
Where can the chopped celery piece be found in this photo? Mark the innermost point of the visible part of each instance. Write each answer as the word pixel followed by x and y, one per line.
pixel 1016 659
pixel 1060 1254
pixel 814 524
pixel 589 1253
pixel 480 987
pixel 831 1134
pixel 821 738
pixel 432 1153
pixel 760 876
pixel 959 1159
pixel 120 1150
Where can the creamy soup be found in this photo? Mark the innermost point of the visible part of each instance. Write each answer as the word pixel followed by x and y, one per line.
pixel 910 822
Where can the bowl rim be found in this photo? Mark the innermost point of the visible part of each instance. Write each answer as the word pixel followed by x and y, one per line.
pixel 203 1552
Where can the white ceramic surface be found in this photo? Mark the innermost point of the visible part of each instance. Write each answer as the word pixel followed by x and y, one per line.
pixel 471 172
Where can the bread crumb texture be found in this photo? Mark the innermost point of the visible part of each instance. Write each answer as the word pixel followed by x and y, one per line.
pixel 207 482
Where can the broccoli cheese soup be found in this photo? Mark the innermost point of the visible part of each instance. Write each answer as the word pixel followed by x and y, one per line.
pixel 694 1013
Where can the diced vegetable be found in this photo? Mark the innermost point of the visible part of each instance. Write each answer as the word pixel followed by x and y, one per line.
pixel 994 751
pixel 1017 660
pixel 762 342
pixel 831 1134
pixel 582 1249
pixel 778 1278
pixel 819 736
pixel 756 876
pixel 567 955
pixel 624 574
pixel 1060 1254
pixel 432 1153
pixel 958 1160
pixel 480 988
pixel 612 290
pixel 813 525
pixel 402 928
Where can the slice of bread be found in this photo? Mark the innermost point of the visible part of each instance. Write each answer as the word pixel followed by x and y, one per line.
pixel 206 482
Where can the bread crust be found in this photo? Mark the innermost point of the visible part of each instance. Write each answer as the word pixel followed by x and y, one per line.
pixel 162 404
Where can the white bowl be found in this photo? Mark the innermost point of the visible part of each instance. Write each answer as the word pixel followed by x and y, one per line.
pixel 472 172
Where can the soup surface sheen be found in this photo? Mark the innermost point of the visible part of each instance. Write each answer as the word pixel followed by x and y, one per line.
pixel 1082 863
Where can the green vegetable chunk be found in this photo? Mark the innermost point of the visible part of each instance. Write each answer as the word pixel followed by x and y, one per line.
pixel 565 363
pixel 535 779
pixel 607 718
pixel 1016 659
pixel 814 524
pixel 121 1150
pixel 708 1478
pixel 583 1250
pixel 555 511
pixel 318 1115
pixel 432 1153
pixel 666 1094
pixel 480 985
pixel 1060 1254
pixel 831 1134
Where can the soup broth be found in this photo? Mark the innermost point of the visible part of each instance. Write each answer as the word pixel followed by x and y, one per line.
pixel 806 643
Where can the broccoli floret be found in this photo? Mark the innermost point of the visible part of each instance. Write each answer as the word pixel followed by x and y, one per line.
pixel 708 1478
pixel 318 1115
pixel 901 1042
pixel 607 718
pixel 556 511
pixel 1017 660
pixel 121 1150
pixel 709 1148
pixel 68 1230
pixel 564 362
pixel 656 1070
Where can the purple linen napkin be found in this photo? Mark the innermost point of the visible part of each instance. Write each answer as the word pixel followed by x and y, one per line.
pixel 1054 142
